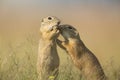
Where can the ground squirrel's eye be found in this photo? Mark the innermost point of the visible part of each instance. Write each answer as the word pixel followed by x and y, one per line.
pixel 70 27
pixel 49 18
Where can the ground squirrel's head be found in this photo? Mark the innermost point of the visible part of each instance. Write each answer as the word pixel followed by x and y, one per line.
pixel 49 27
pixel 68 32
pixel 70 35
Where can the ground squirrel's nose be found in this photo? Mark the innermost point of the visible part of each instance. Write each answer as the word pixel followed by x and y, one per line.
pixel 60 27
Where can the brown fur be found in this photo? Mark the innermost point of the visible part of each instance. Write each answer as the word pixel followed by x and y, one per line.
pixel 81 56
pixel 48 60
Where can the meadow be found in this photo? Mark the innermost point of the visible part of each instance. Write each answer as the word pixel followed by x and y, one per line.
pixel 18 62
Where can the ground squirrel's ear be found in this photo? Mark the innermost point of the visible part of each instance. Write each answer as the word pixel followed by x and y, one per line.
pixel 77 34
pixel 61 44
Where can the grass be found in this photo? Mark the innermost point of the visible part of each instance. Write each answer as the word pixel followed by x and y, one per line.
pixel 18 62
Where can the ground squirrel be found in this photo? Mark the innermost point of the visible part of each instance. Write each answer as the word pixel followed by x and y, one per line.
pixel 81 56
pixel 48 60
